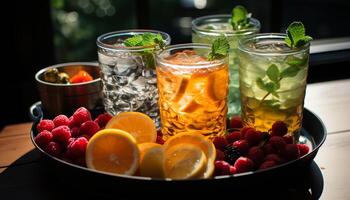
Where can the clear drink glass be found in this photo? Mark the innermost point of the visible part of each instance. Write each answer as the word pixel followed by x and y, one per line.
pixel 208 28
pixel 272 82
pixel 128 83
pixel 192 90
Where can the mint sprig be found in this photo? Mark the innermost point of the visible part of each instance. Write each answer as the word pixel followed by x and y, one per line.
pixel 296 35
pixel 240 18
pixel 219 49
pixel 151 40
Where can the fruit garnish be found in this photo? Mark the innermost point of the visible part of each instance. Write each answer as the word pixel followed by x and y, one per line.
pixel 219 49
pixel 113 150
pixel 151 160
pixel 139 125
pixel 150 40
pixel 81 77
pixel 215 87
pixel 198 140
pixel 184 161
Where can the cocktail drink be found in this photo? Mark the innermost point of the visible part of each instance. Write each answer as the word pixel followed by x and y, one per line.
pixel 208 28
pixel 192 90
pixel 128 73
pixel 272 81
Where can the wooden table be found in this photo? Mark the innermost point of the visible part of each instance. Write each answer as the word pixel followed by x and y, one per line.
pixel 329 100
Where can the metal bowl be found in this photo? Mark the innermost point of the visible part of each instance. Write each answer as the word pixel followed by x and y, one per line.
pixel 65 98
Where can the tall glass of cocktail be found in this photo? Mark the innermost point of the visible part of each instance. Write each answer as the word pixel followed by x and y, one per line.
pixel 208 28
pixel 272 81
pixel 192 90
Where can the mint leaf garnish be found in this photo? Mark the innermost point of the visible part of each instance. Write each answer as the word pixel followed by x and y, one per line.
pixel 290 71
pixel 273 73
pixel 146 40
pixel 219 49
pixel 296 35
pixel 240 18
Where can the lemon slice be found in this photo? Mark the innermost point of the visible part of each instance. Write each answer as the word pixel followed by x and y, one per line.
pixel 151 160
pixel 184 161
pixel 113 150
pixel 196 139
pixel 139 125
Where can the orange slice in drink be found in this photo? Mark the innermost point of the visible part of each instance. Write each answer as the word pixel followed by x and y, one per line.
pixel 184 161
pixel 196 139
pixel 113 150
pixel 137 124
pixel 217 85
pixel 151 160
pixel 180 85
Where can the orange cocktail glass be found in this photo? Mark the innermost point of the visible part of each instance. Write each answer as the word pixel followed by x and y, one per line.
pixel 192 90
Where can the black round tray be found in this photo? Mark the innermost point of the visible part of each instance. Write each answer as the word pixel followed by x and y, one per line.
pixel 291 173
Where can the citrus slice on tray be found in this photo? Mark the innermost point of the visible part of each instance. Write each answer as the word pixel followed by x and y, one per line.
pixel 184 161
pixel 196 139
pixel 137 124
pixel 151 160
pixel 113 150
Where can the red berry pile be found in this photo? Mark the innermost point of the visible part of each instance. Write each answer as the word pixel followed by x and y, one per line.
pixel 246 149
pixel 67 138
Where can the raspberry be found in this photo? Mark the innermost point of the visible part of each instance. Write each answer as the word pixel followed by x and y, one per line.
pixel 77 148
pixel 303 148
pixel 43 138
pixel 70 141
pixel 242 145
pixel 236 122
pixel 219 155
pixel 86 136
pixel 231 154
pixel 288 139
pixel 88 128
pixel 54 149
pixel 268 149
pixel 222 168
pixel 243 164
pixel 61 134
pixel 256 154
pixel 279 128
pixel 220 142
pixel 267 164
pixel 233 170
pixel 61 120
pixel 160 140
pixel 80 116
pixel 253 137
pixel 274 157
pixel 244 130
pixel 45 124
pixel 291 152
pixel 232 137
pixel 103 119
pixel 75 132
pixel 277 142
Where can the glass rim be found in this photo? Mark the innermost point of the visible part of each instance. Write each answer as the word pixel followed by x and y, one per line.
pixel 217 18
pixel 242 46
pixel 131 32
pixel 207 64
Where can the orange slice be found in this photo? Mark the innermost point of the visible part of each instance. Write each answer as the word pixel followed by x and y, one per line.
pixel 184 161
pixel 217 86
pixel 180 86
pixel 137 124
pixel 113 150
pixel 151 160
pixel 196 139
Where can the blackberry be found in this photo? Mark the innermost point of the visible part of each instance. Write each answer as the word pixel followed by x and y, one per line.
pixel 231 154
